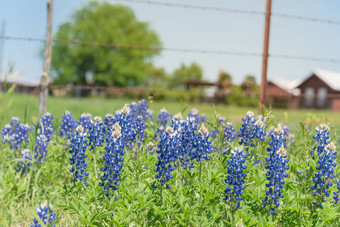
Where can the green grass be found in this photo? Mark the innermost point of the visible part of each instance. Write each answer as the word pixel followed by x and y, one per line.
pixel 194 200
pixel 101 106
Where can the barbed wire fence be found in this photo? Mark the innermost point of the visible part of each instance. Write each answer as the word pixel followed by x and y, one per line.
pixel 192 50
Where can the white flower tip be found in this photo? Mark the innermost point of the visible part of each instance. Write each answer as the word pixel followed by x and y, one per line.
pixel 330 148
pixel 259 122
pixel 163 110
pixel 97 119
pixel 278 131
pixel 80 129
pixel 250 114
pixel 116 131
pixel 323 127
pixel 282 151
pixel 125 110
pixel 203 131
pixel 194 111
pixel 170 131
pixel 229 125
pixel 178 117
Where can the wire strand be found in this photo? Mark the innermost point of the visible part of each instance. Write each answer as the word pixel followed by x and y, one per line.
pixel 175 49
pixel 211 8
pixel 230 10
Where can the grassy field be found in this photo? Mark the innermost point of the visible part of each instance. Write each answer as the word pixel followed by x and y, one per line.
pixel 195 197
pixel 101 106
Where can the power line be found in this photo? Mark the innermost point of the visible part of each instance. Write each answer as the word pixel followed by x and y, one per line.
pixel 124 46
pixel 175 49
pixel 230 10
pixel 211 8
pixel 287 56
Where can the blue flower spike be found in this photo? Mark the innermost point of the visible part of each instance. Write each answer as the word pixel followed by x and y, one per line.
pixel 276 166
pixel 25 163
pixel 235 178
pixel 67 125
pixel 77 161
pixel 113 161
pixel 46 215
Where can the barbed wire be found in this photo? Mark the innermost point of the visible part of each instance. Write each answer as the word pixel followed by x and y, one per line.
pixel 176 49
pixel 177 5
pixel 230 10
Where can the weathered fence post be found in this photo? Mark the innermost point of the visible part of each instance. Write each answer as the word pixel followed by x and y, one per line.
pixel 47 61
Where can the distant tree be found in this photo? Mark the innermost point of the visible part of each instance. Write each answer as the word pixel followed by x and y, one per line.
pixel 249 82
pixel 249 85
pixel 224 80
pixel 158 77
pixel 184 73
pixel 103 23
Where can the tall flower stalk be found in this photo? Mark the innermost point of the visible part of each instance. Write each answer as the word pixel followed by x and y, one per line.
pixel 113 161
pixel 276 166
pixel 235 179
pixel 78 160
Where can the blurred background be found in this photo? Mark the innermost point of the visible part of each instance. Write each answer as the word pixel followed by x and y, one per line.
pixel 177 51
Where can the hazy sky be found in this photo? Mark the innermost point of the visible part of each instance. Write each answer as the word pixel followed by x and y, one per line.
pixel 197 29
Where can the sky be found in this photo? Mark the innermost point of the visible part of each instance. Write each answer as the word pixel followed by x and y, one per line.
pixel 195 29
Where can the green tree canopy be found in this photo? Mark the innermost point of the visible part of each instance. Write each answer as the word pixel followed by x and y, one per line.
pixel 184 73
pixel 102 22
pixel 249 83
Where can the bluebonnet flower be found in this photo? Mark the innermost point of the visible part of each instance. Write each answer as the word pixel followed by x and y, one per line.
pixel 325 166
pixel 15 134
pixel 40 148
pixel 96 133
pixel 85 120
pixel 163 119
pixel 109 121
pixel 286 130
pixel 78 148
pixel 194 114
pixel 124 118
pixel 134 109
pixel 229 136
pixel 321 140
pixel 336 194
pixel 68 125
pixel 139 127
pixel 113 159
pixel 25 163
pixel 251 129
pixel 9 129
pixel 46 215
pixel 144 112
pixel 203 118
pixel 276 165
pixel 202 146
pixel 141 109
pixel 220 121
pixel 166 155
pixel 130 127
pixel 235 178
pixel 185 140
pixel 46 125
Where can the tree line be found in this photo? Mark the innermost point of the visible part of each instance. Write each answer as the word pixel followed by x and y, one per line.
pixel 103 22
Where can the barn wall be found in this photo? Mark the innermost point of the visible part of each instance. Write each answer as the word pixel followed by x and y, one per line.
pixel 315 83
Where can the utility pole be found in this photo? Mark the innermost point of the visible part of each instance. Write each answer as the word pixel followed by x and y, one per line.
pixel 2 48
pixel 265 57
pixel 47 61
